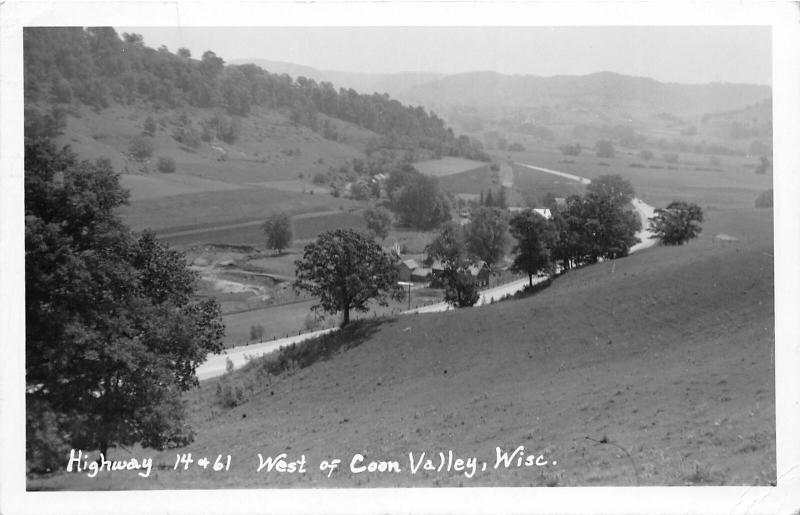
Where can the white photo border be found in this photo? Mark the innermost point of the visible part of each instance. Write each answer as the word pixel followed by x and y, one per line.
pixel 783 17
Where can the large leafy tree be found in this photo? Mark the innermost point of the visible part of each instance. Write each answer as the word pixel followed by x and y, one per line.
pixel 487 234
pixel 278 229
pixel 449 248
pixel 535 237
pixel 114 333
pixel 421 204
pixel 347 269
pixel 610 224
pixel 379 221
pixel 678 223
pixel 597 225
pixel 611 188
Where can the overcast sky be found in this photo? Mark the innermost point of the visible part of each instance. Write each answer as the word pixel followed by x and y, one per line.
pixel 670 54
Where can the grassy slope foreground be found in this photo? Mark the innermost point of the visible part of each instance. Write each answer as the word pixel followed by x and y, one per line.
pixel 667 354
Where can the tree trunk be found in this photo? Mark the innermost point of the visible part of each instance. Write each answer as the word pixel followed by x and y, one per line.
pixel 346 319
pixel 530 279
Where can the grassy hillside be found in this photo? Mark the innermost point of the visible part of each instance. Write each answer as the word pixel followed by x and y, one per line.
pixel 667 354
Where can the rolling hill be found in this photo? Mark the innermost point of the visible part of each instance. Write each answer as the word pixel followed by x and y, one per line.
pixel 395 84
pixel 655 369
pixel 602 89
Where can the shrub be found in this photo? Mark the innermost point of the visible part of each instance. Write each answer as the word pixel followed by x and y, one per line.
pixel 764 199
pixel 646 155
pixel 166 165
pixel 461 289
pixel 256 332
pixel 150 126
pixel 671 158
pixel 319 178
pixel 141 148
pixel 570 150
pixel 604 149
pixel 187 136
pixel 516 147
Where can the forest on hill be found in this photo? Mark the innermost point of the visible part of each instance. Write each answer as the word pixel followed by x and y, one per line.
pixel 97 67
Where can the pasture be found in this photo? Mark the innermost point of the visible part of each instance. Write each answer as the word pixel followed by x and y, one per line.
pixel 448 166
pixel 470 182
pixel 731 184
pixel 204 210
pixel 157 185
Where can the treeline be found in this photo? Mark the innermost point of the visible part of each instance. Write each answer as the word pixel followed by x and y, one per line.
pixel 95 66
pixel 589 228
pixel 629 138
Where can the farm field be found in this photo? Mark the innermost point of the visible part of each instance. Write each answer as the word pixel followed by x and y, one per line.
pixel 448 166
pixel 472 182
pixel 732 184
pixel 144 187
pixel 305 226
pixel 509 374
pixel 185 212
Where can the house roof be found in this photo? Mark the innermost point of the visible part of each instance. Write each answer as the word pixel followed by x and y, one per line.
pixel 410 264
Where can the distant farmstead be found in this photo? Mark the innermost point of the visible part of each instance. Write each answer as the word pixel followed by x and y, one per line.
pixel 543 212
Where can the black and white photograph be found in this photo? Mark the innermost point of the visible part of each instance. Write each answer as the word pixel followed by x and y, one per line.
pixel 400 258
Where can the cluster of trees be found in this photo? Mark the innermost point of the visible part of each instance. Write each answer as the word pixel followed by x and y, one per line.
pixel 491 199
pixel 114 331
pixel 450 248
pixel 604 149
pixel 346 269
pixel 571 150
pixel 95 66
pixel 594 226
pixel 597 225
pixel 379 221
pixel 677 223
pixel 417 199
pixel 627 137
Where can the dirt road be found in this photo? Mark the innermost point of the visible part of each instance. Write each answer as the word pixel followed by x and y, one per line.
pixel 215 363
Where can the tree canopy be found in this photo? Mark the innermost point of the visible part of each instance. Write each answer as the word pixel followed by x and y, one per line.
pixel 98 67
pixel 678 223
pixel 114 332
pixel 535 236
pixel 379 221
pixel 345 270
pixel 421 204
pixel 597 225
pixel 278 229
pixel 449 247
pixel 487 234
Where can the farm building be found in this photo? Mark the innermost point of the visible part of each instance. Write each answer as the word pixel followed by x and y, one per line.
pixel 405 268
pixel 481 272
pixel 421 275
pixel 544 212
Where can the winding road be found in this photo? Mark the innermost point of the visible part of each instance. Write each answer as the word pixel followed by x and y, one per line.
pixel 216 364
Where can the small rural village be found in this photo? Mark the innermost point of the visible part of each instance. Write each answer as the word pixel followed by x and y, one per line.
pixel 567 278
